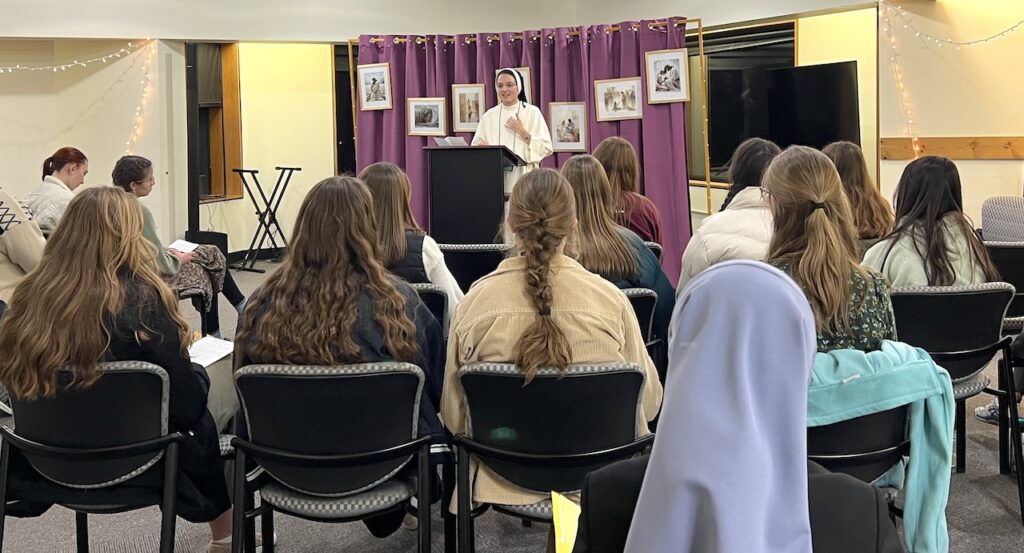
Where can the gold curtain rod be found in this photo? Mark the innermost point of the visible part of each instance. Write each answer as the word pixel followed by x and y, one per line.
pixel 613 29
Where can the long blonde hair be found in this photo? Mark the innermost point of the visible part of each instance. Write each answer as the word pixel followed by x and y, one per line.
pixel 871 213
pixel 814 232
pixel 392 195
pixel 618 157
pixel 599 245
pixel 307 309
pixel 62 312
pixel 541 215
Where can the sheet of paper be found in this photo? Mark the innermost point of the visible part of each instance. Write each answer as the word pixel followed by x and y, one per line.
pixel 566 519
pixel 182 246
pixel 208 350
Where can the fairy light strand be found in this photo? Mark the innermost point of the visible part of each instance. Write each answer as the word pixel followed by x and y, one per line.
pixel 139 119
pixel 908 23
pixel 901 88
pixel 122 52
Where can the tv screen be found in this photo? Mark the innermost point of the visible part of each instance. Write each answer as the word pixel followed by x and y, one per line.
pixel 813 105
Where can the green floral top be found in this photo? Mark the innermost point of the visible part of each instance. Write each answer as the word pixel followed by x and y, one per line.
pixel 871 317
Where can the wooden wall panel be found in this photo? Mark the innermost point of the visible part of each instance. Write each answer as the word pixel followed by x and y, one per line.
pixel 232 105
pixel 955 147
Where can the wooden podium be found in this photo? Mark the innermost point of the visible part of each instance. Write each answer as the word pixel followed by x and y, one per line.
pixel 467 192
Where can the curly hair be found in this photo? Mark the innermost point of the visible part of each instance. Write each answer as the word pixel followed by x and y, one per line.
pixel 129 169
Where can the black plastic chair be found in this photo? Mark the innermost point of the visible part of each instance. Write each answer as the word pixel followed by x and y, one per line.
pixel 469 262
pixel 656 249
pixel 198 302
pixel 961 328
pixel 435 298
pixel 644 301
pixel 92 438
pixel 863 447
pixel 336 450
pixel 1009 259
pixel 546 435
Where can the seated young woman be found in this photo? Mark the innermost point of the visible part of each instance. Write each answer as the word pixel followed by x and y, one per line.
pixel 332 302
pixel 21 245
pixel 541 309
pixel 203 268
pixel 97 296
pixel 872 215
pixel 736 481
pixel 743 226
pixel 612 251
pixel 406 250
pixel 63 172
pixel 814 241
pixel 633 210
pixel 934 243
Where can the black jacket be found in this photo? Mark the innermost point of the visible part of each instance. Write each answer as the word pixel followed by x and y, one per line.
pixel 847 515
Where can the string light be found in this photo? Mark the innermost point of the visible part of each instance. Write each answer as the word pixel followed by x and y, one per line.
pixel 908 23
pixel 138 124
pixel 904 95
pixel 131 47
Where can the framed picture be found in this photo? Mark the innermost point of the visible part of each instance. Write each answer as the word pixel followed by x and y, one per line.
pixel 467 106
pixel 426 116
pixel 374 86
pixel 568 122
pixel 618 99
pixel 525 72
pixel 667 80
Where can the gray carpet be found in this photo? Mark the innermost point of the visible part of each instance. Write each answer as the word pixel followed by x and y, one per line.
pixel 983 515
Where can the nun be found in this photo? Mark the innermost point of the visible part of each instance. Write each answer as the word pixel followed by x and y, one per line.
pixel 728 472
pixel 516 124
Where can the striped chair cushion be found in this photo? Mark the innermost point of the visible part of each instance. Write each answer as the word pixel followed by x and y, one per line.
pixel 384 496
pixel 1013 325
pixel 541 510
pixel 970 387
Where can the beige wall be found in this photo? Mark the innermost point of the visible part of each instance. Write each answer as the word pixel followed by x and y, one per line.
pixel 287 96
pixel 711 12
pixel 968 92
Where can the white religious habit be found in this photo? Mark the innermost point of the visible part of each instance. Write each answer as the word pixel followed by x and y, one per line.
pixel 492 131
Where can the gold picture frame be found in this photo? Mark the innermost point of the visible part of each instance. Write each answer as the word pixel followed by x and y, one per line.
pixel 618 99
pixel 668 79
pixel 374 86
pixel 469 102
pixel 568 122
pixel 426 117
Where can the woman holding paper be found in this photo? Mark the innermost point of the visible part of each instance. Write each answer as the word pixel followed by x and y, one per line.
pixel 516 124
pixel 204 268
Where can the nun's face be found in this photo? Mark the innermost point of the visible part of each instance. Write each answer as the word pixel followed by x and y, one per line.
pixel 508 89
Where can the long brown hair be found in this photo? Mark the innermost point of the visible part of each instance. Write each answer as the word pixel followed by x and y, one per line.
pixel 618 157
pixel 61 313
pixel 929 194
pixel 871 213
pixel 307 309
pixel 541 215
pixel 813 232
pixel 392 194
pixel 599 246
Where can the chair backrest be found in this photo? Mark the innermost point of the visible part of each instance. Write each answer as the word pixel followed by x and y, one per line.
pixel 1009 259
pixel 469 262
pixel 434 297
pixel 330 410
pixel 864 447
pixel 643 301
pixel 592 408
pixel 949 319
pixel 1002 219
pixel 129 403
pixel 655 248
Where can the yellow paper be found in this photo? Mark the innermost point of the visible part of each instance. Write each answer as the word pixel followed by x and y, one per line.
pixel 567 517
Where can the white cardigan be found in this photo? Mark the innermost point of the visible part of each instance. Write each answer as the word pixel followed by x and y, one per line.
pixel 742 231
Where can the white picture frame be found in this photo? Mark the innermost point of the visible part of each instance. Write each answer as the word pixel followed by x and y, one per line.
pixel 527 81
pixel 426 117
pixel 469 102
pixel 568 121
pixel 668 80
pixel 374 80
pixel 618 99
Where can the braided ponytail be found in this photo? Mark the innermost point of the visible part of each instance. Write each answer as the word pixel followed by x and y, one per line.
pixel 542 215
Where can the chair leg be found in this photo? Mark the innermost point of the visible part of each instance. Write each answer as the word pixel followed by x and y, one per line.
pixel 168 512
pixel 82 532
pixel 238 501
pixel 250 522
pixel 423 500
pixel 961 436
pixel 448 482
pixel 5 452
pixel 465 519
pixel 1014 438
pixel 267 527
pixel 1004 427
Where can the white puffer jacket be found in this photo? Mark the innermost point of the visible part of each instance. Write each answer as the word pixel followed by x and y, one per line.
pixel 742 231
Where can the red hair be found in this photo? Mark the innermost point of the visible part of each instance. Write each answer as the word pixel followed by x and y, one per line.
pixel 60 158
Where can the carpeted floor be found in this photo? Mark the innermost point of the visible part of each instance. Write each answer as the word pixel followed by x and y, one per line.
pixel 982 514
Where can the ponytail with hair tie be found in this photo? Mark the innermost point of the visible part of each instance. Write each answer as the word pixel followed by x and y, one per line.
pixel 48 167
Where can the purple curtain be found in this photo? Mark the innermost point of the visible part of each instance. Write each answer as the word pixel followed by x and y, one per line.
pixel 564 63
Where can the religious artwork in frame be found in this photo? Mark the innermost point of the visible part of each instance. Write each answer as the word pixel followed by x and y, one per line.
pixel 618 99
pixel 525 72
pixel 426 117
pixel 467 106
pixel 374 85
pixel 568 122
pixel 667 79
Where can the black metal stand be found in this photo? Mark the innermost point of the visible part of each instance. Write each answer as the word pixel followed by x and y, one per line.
pixel 266 214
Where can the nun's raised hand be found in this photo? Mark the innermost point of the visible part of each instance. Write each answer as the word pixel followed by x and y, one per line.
pixel 515 125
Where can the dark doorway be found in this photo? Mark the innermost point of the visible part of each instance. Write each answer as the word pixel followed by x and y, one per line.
pixel 345 125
